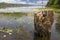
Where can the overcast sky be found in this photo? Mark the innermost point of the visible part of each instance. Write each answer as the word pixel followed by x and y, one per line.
pixel 23 1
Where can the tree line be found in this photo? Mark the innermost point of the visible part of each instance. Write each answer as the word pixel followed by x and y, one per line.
pixel 54 3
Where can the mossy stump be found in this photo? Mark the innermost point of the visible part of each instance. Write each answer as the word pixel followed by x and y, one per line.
pixel 43 21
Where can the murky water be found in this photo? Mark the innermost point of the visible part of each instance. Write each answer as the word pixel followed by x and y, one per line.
pixel 21 27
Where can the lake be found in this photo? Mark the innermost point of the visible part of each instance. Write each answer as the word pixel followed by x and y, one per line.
pixel 21 9
pixel 20 26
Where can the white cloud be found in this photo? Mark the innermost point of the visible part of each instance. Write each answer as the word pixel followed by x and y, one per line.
pixel 21 2
pixel 31 3
pixel 8 1
pixel 13 1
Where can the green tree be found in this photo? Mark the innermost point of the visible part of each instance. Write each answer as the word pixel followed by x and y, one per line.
pixel 54 3
pixel 50 2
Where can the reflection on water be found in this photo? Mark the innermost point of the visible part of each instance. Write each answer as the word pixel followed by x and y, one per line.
pixel 16 27
pixel 19 9
pixel 21 27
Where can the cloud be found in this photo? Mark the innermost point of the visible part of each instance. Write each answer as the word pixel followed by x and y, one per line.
pixel 39 2
pixel 21 2
pixel 13 1
pixel 8 1
pixel 35 2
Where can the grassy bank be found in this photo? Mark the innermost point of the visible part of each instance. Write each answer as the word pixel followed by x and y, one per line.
pixel 55 9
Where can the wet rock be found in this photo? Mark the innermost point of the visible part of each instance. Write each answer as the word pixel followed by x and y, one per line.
pixel 43 21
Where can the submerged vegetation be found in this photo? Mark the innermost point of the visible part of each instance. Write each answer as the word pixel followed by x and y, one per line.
pixel 15 32
pixel 7 30
pixel 20 32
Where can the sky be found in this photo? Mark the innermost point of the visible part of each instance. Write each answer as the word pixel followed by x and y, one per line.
pixel 23 1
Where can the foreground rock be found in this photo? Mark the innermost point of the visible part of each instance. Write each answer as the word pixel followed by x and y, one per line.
pixel 43 21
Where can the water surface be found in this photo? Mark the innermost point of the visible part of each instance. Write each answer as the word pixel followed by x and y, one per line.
pixel 22 27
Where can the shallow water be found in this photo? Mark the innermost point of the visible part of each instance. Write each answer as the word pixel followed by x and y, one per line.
pixel 22 28
pixel 24 23
pixel 55 35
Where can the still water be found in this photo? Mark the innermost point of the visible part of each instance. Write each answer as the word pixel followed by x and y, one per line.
pixel 21 9
pixel 21 27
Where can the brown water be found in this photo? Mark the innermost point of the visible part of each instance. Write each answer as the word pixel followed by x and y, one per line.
pixel 22 27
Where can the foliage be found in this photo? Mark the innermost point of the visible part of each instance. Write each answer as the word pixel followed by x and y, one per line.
pixel 54 3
